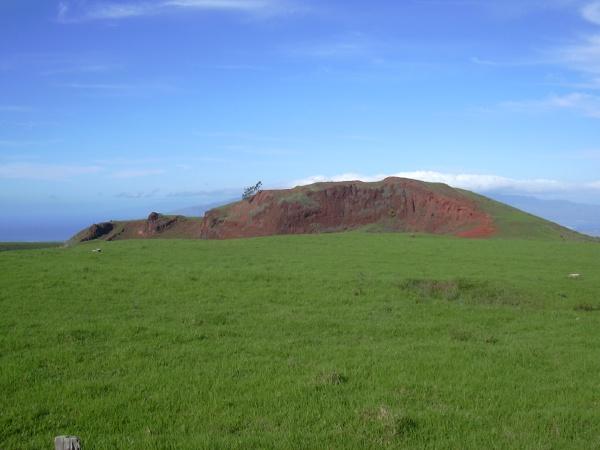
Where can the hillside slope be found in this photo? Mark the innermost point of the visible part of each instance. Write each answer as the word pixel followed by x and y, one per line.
pixel 394 204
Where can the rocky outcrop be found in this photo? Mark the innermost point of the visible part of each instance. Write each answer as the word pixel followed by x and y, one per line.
pixel 395 204
pixel 96 231
pixel 157 224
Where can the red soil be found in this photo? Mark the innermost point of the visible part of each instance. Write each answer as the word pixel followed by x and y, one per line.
pixel 395 205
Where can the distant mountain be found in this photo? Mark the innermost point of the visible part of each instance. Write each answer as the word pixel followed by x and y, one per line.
pixel 394 204
pixel 581 217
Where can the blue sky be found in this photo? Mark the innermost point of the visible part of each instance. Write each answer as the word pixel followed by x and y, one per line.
pixel 111 109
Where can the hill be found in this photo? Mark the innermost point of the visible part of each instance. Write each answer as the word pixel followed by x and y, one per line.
pixel 582 217
pixel 394 204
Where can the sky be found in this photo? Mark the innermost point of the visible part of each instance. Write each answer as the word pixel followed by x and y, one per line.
pixel 111 109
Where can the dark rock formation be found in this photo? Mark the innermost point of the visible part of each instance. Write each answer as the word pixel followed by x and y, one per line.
pixel 157 223
pixel 97 231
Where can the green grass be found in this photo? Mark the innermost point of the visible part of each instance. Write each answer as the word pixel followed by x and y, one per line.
pixel 513 223
pixel 354 340
pixel 6 246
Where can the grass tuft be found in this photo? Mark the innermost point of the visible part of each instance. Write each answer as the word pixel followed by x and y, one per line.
pixel 587 307
pixel 332 378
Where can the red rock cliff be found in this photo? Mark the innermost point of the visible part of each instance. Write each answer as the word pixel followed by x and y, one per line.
pixel 395 204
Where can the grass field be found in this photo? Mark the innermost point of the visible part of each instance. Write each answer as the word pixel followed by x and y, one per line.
pixel 5 246
pixel 344 341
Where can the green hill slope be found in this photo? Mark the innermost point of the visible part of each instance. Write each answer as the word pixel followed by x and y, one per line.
pixel 513 223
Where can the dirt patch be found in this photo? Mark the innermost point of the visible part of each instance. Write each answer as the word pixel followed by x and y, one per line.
pixel 390 425
pixel 464 290
pixel 332 378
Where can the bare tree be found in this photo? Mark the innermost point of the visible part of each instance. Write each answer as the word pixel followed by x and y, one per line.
pixel 251 191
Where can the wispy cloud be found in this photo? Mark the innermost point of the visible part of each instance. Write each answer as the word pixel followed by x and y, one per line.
pixel 260 151
pixel 51 64
pixel 507 9
pixel 80 68
pixel 138 195
pixel 582 103
pixel 475 182
pixel 235 67
pixel 509 64
pixel 137 173
pixel 590 154
pixel 591 12
pixel 578 59
pixel 579 55
pixel 12 143
pixel 97 86
pixel 72 12
pixel 582 56
pixel 47 172
pixel 119 89
pixel 238 136
pixel 15 108
pixel 594 185
pixel 352 46
pixel 206 193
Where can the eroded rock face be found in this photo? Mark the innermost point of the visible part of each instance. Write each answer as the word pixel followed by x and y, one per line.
pixel 392 205
pixel 157 223
pixel 97 231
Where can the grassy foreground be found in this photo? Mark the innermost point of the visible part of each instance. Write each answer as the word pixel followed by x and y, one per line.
pixel 342 341
pixel 6 246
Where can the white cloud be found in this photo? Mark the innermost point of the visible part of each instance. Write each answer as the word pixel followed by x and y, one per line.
pixel 591 12
pixel 473 182
pixel 594 185
pixel 136 173
pixel 68 13
pixel 48 172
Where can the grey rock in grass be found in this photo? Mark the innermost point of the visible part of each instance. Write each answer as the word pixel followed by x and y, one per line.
pixel 67 443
